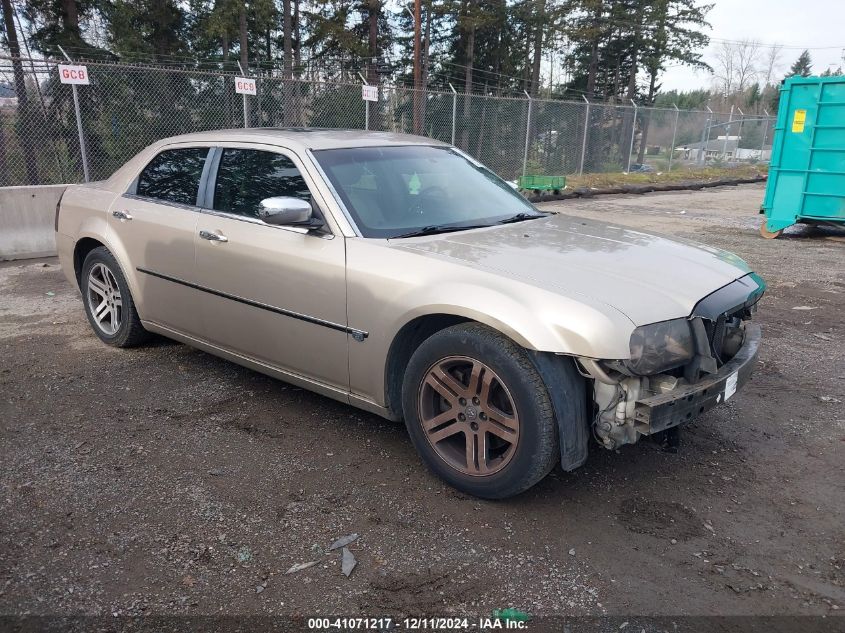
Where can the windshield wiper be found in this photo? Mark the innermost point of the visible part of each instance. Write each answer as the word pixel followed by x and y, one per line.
pixel 519 217
pixel 434 229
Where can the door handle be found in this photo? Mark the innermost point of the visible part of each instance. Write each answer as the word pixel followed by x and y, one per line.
pixel 121 215
pixel 213 237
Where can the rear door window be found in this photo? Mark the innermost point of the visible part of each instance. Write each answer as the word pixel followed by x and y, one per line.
pixel 245 177
pixel 173 176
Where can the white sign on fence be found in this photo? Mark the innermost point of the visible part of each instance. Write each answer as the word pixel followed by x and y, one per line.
pixel 369 93
pixel 245 86
pixel 73 74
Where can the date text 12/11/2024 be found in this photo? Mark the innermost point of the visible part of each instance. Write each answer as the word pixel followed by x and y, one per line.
pixel 416 624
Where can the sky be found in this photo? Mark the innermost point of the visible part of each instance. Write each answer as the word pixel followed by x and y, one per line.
pixel 800 24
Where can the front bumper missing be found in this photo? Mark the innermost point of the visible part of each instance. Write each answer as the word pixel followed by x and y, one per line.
pixel 665 410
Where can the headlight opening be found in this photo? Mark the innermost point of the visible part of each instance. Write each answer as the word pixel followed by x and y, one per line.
pixel 659 347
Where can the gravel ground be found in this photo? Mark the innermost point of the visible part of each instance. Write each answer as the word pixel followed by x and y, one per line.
pixel 165 481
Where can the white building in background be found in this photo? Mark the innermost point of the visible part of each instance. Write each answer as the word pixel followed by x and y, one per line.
pixel 726 148
pixel 744 153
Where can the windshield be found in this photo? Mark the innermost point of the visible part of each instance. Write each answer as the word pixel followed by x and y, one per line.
pixel 394 191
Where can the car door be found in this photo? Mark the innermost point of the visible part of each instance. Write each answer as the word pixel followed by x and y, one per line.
pixel 275 294
pixel 154 224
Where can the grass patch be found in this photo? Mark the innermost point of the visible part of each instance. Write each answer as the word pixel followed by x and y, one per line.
pixel 704 174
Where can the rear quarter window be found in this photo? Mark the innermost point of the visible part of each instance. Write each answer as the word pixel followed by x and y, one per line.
pixel 173 176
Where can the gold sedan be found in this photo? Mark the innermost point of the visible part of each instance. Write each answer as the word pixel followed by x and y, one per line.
pixel 401 276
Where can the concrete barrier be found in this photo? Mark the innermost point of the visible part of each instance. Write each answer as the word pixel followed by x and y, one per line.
pixel 27 217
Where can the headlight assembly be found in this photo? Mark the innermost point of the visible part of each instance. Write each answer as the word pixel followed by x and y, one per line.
pixel 658 347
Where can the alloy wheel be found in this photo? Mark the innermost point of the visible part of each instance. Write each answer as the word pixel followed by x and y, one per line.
pixel 468 415
pixel 104 299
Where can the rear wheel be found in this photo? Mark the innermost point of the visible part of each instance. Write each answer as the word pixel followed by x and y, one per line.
pixel 479 413
pixel 108 303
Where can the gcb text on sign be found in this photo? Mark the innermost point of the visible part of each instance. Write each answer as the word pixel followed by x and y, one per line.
pixel 245 86
pixel 369 93
pixel 73 74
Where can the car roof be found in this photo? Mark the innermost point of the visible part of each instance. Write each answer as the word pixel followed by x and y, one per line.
pixel 304 138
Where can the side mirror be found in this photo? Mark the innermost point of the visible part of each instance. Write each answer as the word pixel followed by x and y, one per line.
pixel 288 211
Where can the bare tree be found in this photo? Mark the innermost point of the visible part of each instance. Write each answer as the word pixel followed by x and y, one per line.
pixel 747 57
pixel 736 67
pixel 724 68
pixel 772 60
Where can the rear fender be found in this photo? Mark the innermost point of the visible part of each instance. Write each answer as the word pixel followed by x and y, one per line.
pixel 98 228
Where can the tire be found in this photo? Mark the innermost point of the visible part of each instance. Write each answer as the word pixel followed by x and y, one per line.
pixel 505 417
pixel 108 302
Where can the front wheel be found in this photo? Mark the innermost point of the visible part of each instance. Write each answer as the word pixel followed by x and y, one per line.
pixel 478 412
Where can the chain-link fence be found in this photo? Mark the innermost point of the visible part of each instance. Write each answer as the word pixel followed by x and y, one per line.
pixel 126 107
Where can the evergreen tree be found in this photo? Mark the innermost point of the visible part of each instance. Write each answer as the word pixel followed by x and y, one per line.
pixel 57 23
pixel 157 28
pixel 803 66
pixel 24 110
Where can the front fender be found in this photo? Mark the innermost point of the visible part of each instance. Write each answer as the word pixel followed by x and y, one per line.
pixel 535 319
pixel 388 289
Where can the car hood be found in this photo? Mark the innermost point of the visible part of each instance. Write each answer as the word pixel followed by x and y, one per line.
pixel 647 277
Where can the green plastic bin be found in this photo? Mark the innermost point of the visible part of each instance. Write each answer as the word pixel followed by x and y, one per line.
pixel 542 183
pixel 806 181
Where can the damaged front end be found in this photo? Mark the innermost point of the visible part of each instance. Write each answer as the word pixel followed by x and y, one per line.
pixel 679 368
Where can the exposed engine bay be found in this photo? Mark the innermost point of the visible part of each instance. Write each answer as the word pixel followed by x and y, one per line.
pixel 677 368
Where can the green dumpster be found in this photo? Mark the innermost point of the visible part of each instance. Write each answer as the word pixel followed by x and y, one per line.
pixel 806 181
